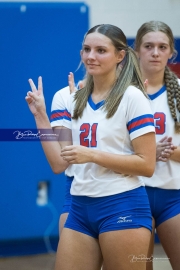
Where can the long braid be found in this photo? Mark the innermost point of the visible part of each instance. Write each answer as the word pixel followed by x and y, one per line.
pixel 177 93
pixel 173 96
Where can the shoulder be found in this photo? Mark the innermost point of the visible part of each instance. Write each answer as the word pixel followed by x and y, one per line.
pixel 62 93
pixel 133 93
pixel 60 99
pixel 136 103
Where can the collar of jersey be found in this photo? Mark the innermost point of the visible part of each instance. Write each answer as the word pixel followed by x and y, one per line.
pixel 93 105
pixel 158 93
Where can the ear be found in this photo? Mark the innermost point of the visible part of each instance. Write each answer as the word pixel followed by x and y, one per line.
pixel 137 54
pixel 120 55
pixel 170 55
pixel 81 52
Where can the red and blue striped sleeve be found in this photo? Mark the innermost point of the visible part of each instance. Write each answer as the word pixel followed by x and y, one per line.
pixel 140 122
pixel 60 115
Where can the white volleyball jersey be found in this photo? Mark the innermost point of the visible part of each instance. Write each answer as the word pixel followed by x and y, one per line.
pixel 58 106
pixel 58 114
pixel 167 174
pixel 133 118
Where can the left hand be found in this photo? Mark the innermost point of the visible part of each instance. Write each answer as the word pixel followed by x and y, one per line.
pixel 76 154
pixel 71 83
pixel 166 153
pixel 146 84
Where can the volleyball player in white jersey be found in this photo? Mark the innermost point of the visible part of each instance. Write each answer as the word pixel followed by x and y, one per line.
pixel 155 45
pixel 59 103
pixel 113 143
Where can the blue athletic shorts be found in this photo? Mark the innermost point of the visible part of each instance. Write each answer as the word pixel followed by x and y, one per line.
pixel 93 216
pixel 164 203
pixel 68 197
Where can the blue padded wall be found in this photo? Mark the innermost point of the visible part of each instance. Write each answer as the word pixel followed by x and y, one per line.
pixel 35 39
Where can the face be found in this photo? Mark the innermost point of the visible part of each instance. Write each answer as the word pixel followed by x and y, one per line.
pixel 154 52
pixel 99 55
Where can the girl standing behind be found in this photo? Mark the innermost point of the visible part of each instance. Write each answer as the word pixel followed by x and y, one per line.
pixel 154 45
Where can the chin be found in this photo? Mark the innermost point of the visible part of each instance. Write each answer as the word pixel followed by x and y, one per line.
pixel 93 73
pixel 154 68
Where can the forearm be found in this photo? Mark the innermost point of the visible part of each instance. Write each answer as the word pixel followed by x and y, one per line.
pixel 125 164
pixel 142 162
pixel 52 148
pixel 176 155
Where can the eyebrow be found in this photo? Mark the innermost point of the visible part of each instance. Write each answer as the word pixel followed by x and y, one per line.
pixel 162 43
pixel 100 46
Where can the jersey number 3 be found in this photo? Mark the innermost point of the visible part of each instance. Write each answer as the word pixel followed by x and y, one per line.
pixel 160 122
pixel 88 135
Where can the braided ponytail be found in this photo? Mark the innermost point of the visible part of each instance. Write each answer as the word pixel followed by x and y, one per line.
pixel 173 96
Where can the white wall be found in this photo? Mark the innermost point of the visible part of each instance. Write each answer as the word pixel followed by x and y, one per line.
pixel 130 14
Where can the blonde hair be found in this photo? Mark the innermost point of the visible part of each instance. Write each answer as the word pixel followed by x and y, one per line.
pixel 170 78
pixel 129 75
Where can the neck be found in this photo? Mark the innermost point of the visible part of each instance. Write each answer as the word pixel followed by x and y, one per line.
pixel 155 81
pixel 102 87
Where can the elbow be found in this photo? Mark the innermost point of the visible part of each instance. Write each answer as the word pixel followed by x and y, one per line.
pixel 149 171
pixel 57 169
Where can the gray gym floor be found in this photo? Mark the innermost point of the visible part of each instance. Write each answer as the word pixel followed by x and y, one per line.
pixel 46 261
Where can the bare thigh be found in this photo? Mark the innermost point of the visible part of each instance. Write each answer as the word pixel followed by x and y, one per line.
pixel 62 221
pixel 78 251
pixel 125 249
pixel 169 236
pixel 149 262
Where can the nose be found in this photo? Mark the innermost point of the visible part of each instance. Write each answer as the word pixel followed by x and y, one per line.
pixel 91 55
pixel 155 52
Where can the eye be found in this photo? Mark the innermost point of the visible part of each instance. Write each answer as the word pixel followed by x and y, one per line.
pixel 101 50
pixel 148 46
pixel 86 49
pixel 163 47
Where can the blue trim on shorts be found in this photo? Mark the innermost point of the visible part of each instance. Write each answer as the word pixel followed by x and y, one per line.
pixel 164 203
pixel 68 196
pixel 93 216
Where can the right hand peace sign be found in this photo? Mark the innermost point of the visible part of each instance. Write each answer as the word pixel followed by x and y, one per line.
pixel 35 99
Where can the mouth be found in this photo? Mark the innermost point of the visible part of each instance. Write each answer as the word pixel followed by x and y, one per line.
pixel 92 65
pixel 89 64
pixel 155 62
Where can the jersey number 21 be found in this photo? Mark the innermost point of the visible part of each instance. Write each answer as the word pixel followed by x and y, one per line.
pixel 88 135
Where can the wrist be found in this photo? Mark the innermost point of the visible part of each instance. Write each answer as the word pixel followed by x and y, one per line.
pixel 42 119
pixel 93 155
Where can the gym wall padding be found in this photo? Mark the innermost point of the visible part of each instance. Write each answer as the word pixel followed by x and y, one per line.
pixel 35 39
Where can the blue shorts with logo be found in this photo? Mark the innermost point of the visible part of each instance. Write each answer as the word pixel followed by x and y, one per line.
pixel 93 216
pixel 164 203
pixel 68 197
